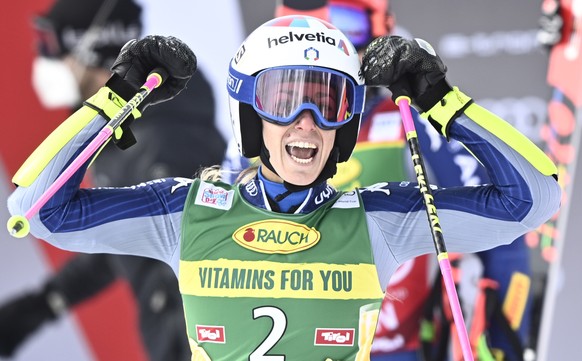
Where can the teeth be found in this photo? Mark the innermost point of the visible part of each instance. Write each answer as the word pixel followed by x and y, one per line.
pixel 302 145
pixel 302 161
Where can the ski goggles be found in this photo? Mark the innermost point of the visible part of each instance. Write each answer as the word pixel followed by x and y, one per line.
pixel 279 95
pixel 354 21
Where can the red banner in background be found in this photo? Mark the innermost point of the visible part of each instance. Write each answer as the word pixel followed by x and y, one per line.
pixel 108 321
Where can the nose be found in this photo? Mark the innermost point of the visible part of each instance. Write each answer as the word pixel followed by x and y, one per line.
pixel 305 121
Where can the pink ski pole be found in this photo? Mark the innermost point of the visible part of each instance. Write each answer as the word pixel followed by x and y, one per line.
pixel 18 225
pixel 433 220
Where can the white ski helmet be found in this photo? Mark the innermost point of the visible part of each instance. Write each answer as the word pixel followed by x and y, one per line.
pixel 291 45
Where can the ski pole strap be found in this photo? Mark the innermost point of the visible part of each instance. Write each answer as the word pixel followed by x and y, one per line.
pixel 444 112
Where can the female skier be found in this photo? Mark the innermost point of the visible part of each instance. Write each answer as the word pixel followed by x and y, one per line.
pixel 283 266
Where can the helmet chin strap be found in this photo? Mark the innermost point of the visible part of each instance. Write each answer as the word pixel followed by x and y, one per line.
pixel 327 172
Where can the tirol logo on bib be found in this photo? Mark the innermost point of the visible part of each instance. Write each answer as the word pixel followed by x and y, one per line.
pixel 276 236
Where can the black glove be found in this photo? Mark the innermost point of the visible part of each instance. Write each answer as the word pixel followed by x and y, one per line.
pixel 138 58
pixel 21 317
pixel 134 63
pixel 407 67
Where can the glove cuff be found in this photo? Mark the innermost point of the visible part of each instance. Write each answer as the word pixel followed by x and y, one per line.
pixel 125 90
pixel 433 95
pixel 450 106
pixel 120 87
pixel 107 102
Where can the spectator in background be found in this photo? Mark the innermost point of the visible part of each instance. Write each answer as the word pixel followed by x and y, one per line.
pixel 214 32
pixel 77 43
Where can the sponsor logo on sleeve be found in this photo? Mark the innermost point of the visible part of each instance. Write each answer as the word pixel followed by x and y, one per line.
pixel 180 183
pixel 378 187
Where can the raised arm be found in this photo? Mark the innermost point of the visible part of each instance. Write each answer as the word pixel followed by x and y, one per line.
pixel 523 192
pixel 78 219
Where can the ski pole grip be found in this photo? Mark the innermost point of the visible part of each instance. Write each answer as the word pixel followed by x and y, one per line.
pixel 156 78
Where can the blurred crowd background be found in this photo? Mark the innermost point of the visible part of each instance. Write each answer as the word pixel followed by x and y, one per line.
pixel 493 52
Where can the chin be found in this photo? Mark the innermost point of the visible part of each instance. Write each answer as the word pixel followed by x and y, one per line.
pixel 300 175
pixel 302 182
pixel 300 179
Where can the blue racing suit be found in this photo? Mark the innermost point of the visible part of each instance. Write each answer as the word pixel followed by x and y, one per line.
pixel 146 219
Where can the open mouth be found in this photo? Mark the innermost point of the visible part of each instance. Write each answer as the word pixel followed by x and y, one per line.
pixel 301 152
